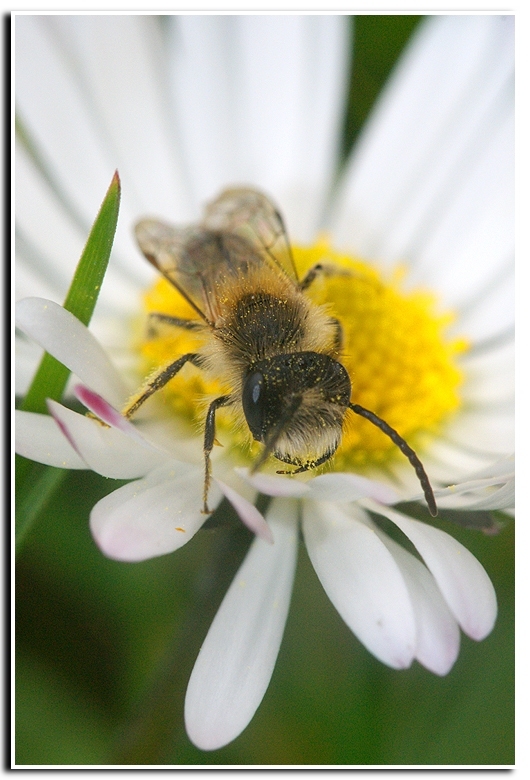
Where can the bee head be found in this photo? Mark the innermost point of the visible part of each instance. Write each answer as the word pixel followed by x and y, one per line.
pixel 295 405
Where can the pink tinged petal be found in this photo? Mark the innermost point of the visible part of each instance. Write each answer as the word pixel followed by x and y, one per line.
pixel 462 580
pixel 363 581
pixel 438 637
pixel 350 487
pixel 270 485
pixel 107 451
pixel 248 514
pixel 37 437
pixel 237 658
pixel 67 339
pixel 152 516
pixel 96 404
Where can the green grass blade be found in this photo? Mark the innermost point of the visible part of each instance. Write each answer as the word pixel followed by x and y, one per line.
pixel 34 490
pixel 51 377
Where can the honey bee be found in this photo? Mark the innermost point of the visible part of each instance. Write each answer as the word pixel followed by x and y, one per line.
pixel 275 349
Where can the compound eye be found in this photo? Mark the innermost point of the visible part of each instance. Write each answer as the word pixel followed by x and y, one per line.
pixel 253 404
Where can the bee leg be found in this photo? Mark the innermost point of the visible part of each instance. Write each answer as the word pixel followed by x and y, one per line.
pixel 162 379
pixel 209 439
pixel 338 336
pixel 321 269
pixel 176 322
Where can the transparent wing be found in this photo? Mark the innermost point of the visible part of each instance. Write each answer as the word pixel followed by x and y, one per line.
pixel 197 260
pixel 252 216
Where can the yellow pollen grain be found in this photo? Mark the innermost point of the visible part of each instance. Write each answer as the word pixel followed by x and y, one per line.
pixel 401 364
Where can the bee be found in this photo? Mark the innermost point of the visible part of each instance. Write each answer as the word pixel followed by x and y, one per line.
pixel 277 351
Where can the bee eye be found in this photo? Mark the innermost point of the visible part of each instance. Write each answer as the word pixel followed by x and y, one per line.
pixel 253 404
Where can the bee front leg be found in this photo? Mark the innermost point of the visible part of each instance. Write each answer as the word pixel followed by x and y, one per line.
pixel 338 336
pixel 175 322
pixel 209 438
pixel 321 269
pixel 162 379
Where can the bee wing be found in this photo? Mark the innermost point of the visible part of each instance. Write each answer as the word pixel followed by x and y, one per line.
pixel 197 260
pixel 252 216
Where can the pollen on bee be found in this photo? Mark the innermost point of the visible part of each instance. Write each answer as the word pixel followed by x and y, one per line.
pixel 402 365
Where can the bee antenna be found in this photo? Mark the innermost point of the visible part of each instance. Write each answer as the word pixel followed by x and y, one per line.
pixel 407 451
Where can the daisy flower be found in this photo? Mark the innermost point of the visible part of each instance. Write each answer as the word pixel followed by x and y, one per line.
pixel 420 226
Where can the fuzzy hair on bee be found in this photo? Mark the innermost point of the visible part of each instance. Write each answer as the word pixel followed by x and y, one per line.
pixel 277 351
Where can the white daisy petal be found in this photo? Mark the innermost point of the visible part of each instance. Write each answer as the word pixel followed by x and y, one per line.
pixel 489 310
pixel 438 637
pixel 48 243
pixel 503 467
pixel 67 339
pixel 448 462
pixel 152 516
pixel 108 414
pixel 496 493
pixel 350 487
pixel 490 432
pixel 247 512
pixel 109 52
pixel 237 658
pixel 493 485
pixel 38 437
pixel 462 580
pixel 264 107
pixel 107 451
pixel 490 376
pixel 419 155
pixel 52 106
pixel 363 582
pixel 271 485
pixel 27 356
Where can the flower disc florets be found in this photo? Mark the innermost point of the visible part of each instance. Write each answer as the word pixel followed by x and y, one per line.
pixel 401 364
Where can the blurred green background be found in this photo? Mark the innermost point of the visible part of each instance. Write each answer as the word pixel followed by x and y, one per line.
pixel 104 649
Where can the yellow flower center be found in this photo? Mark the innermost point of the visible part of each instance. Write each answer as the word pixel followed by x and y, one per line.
pixel 401 365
